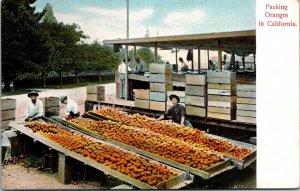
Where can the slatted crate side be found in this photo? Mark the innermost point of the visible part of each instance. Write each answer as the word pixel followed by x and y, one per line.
pixel 160 68
pixel 196 101
pixel 161 87
pixel 223 80
pixel 8 114
pixel 5 124
pixel 52 111
pixel 220 86
pixel 245 94
pixel 158 96
pixel 196 79
pixel 246 107
pixel 221 74
pixel 221 116
pixel 180 94
pixel 141 103
pixel 246 87
pixel 221 98
pixel 226 92
pixel 195 111
pixel 50 101
pixel 224 110
pixel 250 101
pixel 95 89
pixel 246 113
pixel 157 106
pixel 162 78
pixel 221 104
pixel 196 90
pixel 8 104
pixel 142 94
pixel 118 90
pixel 246 119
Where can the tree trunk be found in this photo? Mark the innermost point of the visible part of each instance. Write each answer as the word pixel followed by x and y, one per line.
pixel 60 76
pixel 44 79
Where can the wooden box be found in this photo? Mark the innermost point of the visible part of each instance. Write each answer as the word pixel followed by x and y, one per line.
pixel 8 114
pixel 8 104
pixel 95 97
pixel 141 93
pixel 195 79
pixel 157 106
pixel 52 111
pixel 140 103
pixel 196 90
pixel 251 101
pixel 161 87
pixel 221 116
pixel 195 100
pixel 224 110
pixel 95 89
pixel 224 77
pixel 195 111
pixel 162 78
pixel 50 101
pixel 221 98
pixel 220 86
pixel 158 96
pixel 246 107
pixel 246 119
pixel 160 68
pixel 246 113
pixel 246 87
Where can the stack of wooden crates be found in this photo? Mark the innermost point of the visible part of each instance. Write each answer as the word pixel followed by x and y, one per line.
pixel 246 103
pixel 180 94
pixel 195 95
pixel 141 98
pixel 160 83
pixel 221 95
pixel 95 93
pixel 51 106
pixel 8 112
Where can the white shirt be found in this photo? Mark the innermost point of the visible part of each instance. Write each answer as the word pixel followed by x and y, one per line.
pixel 122 68
pixel 35 110
pixel 71 106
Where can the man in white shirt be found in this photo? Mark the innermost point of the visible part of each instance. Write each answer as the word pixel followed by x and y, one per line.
pixel 122 72
pixel 35 108
pixel 71 110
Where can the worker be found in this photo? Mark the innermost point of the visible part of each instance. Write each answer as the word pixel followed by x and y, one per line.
pixel 71 110
pixel 211 65
pixel 139 67
pixel 184 66
pixel 177 112
pixel 35 108
pixel 122 72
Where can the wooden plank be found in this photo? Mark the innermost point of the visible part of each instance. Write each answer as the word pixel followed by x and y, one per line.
pixel 160 68
pixel 221 74
pixel 195 79
pixel 157 106
pixel 161 87
pixel 195 90
pixel 8 104
pixel 246 113
pixel 196 101
pixel 195 111
pixel 246 100
pixel 8 114
pixel 50 101
pixel 221 80
pixel 246 119
pixel 220 116
pixel 221 98
pixel 52 111
pixel 158 96
pixel 141 93
pixel 246 87
pixel 225 110
pixel 180 94
pixel 140 103
pixel 219 86
pixel 159 78
pixel 91 97
pixel 95 89
pixel 246 107
pixel 220 104
pixel 220 92
pixel 246 94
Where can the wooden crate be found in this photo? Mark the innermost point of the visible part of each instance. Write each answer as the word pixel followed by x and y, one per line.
pixel 162 78
pixel 161 87
pixel 220 86
pixel 246 107
pixel 95 97
pixel 246 100
pixel 224 110
pixel 246 113
pixel 221 92
pixel 220 116
pixel 118 90
pixel 246 87
pixel 196 90
pixel 158 96
pixel 246 119
pixel 157 106
pixel 246 94
pixel 141 94
pixel 221 98
pixel 160 68
pixel 140 103
pixel 195 100
pixel 224 77
pixel 52 111
pixel 8 114
pixel 196 79
pixel 8 104
pixel 95 89
pixel 221 104
pixel 50 101
pixel 195 111
pixel 5 124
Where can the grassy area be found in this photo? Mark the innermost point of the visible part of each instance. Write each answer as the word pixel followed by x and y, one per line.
pixel 64 86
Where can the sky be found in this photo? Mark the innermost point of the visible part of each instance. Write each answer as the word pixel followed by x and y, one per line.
pixel 106 19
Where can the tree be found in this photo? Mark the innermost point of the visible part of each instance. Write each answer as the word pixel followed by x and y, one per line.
pixel 146 55
pixel 49 15
pixel 21 38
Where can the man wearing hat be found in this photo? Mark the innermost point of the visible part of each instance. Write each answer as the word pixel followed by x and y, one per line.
pixel 71 110
pixel 177 112
pixel 35 107
pixel 139 67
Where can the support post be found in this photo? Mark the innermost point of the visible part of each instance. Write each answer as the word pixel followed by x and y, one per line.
pixel 219 55
pixel 199 60
pixel 155 53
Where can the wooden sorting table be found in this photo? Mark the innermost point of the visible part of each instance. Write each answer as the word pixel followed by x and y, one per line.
pixel 177 182
pixel 208 173
pixel 239 163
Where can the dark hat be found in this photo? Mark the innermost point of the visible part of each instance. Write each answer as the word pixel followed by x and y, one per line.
pixel 32 93
pixel 137 58
pixel 62 98
pixel 174 96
